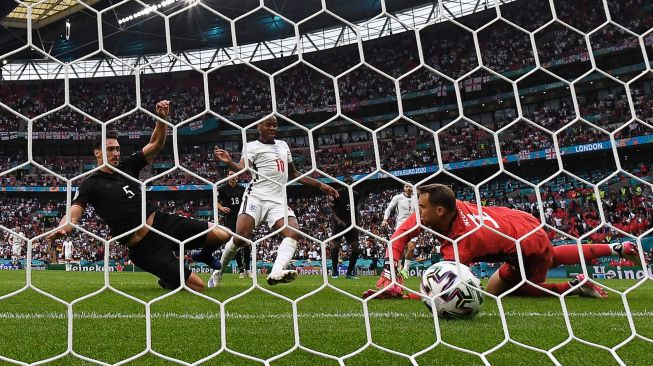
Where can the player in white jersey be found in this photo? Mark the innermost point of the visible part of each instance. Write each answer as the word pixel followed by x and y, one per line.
pixel 265 199
pixel 403 206
pixel 68 253
pixel 16 246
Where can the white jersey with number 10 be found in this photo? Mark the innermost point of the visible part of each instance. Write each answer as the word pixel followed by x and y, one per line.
pixel 271 161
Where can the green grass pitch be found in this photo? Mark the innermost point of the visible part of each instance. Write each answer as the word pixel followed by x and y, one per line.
pixel 112 328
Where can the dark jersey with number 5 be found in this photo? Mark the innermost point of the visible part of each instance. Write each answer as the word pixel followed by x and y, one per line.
pixel 231 197
pixel 115 198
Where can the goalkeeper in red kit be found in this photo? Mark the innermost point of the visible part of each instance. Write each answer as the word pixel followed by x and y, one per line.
pixel 441 212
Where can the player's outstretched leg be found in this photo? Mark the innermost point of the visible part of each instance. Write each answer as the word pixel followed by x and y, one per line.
pixel 215 238
pixel 228 253
pixel 244 226
pixel 205 255
pixel 279 273
pixel 536 268
pixel 568 254
pixel 587 289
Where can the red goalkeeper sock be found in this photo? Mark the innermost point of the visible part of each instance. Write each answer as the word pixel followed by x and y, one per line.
pixel 568 254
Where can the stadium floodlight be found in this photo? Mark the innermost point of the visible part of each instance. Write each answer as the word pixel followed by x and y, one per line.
pixel 151 8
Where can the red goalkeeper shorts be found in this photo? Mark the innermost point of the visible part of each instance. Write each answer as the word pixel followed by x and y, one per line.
pixel 536 266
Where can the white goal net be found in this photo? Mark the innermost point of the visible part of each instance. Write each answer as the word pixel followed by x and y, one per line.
pixel 544 106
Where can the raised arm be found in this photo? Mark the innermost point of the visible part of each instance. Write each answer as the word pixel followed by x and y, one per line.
pixel 223 156
pixel 388 210
pixel 75 213
pixel 325 188
pixel 158 138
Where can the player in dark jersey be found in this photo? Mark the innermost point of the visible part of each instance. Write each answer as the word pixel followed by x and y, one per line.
pixel 342 215
pixel 117 200
pixel 440 211
pixel 230 197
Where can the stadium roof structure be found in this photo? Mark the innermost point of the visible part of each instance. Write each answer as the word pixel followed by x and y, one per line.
pixel 198 36
pixel 43 11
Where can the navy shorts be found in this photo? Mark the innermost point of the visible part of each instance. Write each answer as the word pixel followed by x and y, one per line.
pixel 157 254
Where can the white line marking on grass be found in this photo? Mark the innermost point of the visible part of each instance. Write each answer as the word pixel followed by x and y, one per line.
pixel 344 315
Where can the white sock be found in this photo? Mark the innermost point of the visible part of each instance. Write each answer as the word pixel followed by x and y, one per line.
pixel 284 254
pixel 407 263
pixel 228 253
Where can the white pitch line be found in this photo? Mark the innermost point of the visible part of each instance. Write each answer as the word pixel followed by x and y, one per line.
pixel 344 315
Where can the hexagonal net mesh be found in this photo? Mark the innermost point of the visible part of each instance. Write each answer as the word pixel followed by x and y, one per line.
pixel 541 106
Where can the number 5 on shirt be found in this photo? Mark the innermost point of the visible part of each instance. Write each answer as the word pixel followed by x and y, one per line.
pixel 128 192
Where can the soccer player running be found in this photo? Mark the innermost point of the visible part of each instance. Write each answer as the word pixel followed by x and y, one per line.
pixel 68 252
pixel 341 213
pixel 16 246
pixel 403 206
pixel 117 200
pixel 264 199
pixel 230 196
pixel 440 211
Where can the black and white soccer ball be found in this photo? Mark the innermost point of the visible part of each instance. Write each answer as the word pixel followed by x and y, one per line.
pixel 456 296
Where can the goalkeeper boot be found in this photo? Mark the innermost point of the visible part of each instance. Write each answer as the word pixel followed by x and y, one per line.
pixel 283 276
pixel 215 279
pixel 589 289
pixel 628 250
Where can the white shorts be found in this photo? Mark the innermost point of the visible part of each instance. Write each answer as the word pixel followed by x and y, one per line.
pixel 68 256
pixel 268 211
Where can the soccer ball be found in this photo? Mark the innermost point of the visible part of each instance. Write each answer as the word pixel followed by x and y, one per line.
pixel 455 296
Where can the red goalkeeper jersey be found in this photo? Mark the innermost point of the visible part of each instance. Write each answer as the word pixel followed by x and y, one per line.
pixel 484 244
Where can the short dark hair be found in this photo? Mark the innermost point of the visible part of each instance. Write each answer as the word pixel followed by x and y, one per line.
pixel 440 195
pixel 97 141
pixel 268 118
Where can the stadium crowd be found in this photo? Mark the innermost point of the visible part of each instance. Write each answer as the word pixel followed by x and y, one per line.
pixel 570 210
pixel 238 92
pixel 503 48
pixel 462 141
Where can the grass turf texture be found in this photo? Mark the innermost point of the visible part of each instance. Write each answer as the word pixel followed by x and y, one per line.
pixel 110 327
